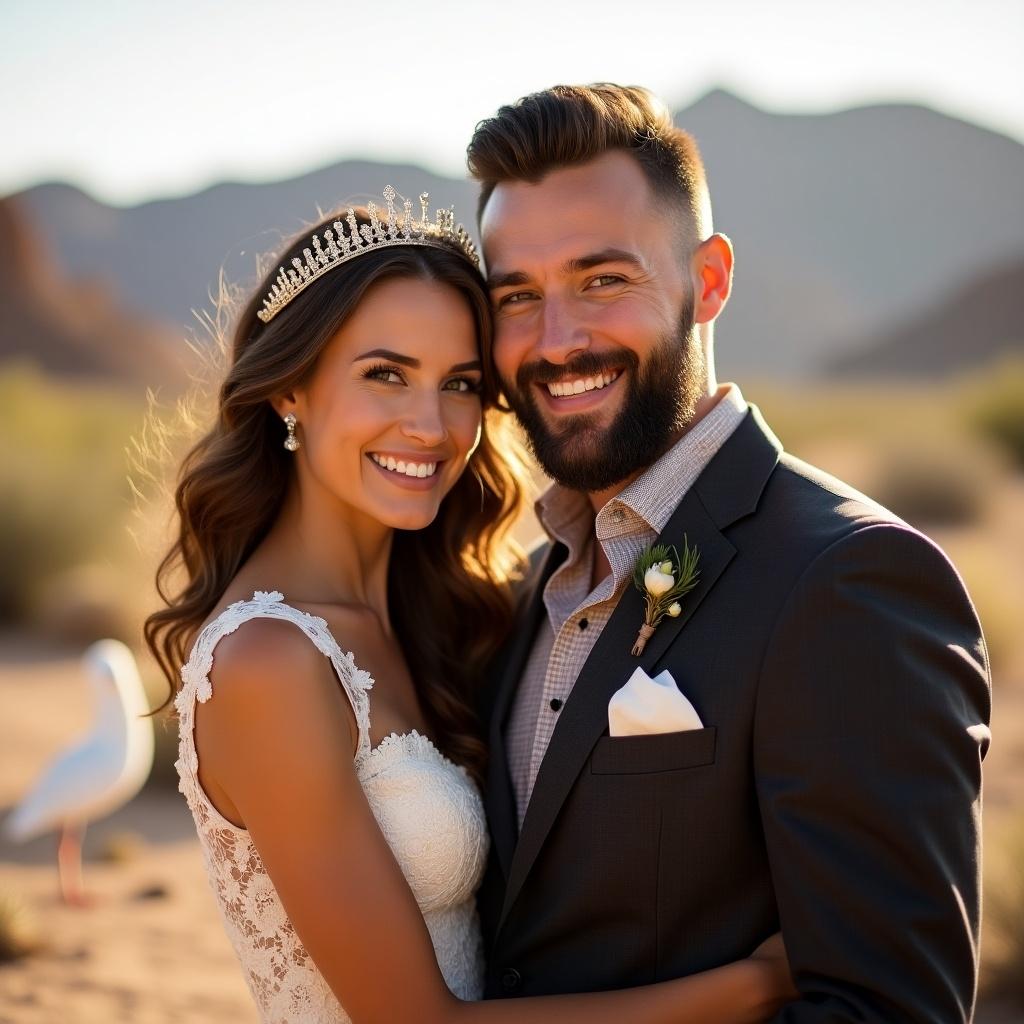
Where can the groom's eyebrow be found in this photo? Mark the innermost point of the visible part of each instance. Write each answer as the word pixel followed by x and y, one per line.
pixel 596 259
pixel 574 265
pixel 506 280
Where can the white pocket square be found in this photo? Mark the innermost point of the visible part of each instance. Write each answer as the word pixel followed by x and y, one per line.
pixel 645 705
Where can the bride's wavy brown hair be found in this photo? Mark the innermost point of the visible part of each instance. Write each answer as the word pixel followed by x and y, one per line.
pixel 448 584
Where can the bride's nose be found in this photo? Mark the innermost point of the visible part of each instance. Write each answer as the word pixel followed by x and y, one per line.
pixel 424 420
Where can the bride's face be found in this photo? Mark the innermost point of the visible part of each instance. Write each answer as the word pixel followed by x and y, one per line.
pixel 392 412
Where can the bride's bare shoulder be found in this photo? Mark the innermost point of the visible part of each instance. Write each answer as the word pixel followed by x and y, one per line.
pixel 261 651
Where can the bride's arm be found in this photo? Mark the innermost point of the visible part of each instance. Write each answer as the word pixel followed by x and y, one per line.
pixel 278 740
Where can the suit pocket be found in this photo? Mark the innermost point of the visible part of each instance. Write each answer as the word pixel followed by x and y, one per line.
pixel 660 752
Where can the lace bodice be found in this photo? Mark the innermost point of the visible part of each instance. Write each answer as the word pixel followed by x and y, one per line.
pixel 427 808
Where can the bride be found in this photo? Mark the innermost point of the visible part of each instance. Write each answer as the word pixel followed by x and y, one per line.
pixel 343 563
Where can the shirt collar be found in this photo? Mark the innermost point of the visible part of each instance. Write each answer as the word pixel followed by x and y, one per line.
pixel 648 502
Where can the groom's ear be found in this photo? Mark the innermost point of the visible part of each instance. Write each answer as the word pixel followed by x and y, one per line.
pixel 711 266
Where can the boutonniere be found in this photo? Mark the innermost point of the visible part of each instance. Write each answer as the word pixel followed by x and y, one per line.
pixel 663 578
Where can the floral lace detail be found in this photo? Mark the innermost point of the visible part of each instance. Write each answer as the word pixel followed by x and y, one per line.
pixel 427 807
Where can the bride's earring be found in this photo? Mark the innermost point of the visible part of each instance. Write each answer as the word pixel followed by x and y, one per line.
pixel 291 442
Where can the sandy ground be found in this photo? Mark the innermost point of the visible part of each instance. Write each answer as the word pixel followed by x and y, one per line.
pixel 151 950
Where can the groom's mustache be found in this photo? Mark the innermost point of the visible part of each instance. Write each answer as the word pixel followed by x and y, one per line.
pixel 588 364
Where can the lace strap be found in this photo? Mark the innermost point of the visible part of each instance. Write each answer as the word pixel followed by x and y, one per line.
pixel 195 673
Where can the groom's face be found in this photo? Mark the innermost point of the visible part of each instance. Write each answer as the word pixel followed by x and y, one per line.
pixel 594 319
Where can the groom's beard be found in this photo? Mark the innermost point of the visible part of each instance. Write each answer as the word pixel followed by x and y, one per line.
pixel 660 402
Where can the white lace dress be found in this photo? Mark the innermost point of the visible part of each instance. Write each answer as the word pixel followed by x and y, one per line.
pixel 427 807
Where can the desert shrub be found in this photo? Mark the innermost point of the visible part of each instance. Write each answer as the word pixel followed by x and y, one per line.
pixel 1003 975
pixel 64 491
pixel 908 445
pixel 991 580
pixel 19 933
pixel 996 407
pixel 934 482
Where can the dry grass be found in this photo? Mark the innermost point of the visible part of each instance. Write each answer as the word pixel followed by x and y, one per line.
pixel 19 932
pixel 1003 976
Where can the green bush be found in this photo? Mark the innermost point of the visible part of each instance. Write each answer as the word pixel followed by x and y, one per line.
pixel 64 491
pixel 996 408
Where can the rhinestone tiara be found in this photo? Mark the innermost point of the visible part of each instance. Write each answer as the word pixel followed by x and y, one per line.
pixel 345 241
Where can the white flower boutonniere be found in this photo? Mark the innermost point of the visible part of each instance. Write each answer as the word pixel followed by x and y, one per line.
pixel 663 578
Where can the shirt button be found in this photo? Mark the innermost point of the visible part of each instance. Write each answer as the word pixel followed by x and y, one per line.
pixel 510 979
pixel 583 623
pixel 556 704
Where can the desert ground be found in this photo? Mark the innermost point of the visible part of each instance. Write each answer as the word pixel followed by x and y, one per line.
pixel 150 948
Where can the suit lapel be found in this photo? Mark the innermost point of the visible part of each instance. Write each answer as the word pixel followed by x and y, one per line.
pixel 729 488
pixel 585 715
pixel 499 798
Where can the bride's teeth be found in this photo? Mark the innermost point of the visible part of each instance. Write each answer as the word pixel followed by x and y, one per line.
pixel 418 470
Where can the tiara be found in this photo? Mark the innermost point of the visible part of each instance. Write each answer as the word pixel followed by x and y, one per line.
pixel 345 241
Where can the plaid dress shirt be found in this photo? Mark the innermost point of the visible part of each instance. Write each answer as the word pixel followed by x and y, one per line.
pixel 624 526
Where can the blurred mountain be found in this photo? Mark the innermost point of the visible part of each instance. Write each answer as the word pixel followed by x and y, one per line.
pixel 843 224
pixel 849 222
pixel 75 328
pixel 977 323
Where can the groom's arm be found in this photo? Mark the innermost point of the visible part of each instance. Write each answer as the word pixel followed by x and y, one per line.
pixel 871 725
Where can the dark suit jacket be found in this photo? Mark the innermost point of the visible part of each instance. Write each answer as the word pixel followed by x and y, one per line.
pixel 840 672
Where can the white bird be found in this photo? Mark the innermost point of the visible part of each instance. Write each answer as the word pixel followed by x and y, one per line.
pixel 97 775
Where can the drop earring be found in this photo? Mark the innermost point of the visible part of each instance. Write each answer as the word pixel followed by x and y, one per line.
pixel 291 442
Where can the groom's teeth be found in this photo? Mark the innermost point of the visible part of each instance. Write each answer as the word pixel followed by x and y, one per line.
pixel 565 388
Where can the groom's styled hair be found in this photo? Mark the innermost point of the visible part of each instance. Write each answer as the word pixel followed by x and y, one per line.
pixel 573 124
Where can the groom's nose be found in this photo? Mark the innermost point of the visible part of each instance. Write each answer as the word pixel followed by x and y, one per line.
pixel 562 335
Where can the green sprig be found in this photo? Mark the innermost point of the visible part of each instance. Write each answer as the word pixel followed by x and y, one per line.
pixel 684 569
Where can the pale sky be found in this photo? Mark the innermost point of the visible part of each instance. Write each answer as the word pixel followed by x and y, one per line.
pixel 141 99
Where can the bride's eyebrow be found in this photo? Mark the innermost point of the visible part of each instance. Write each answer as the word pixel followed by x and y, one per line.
pixel 413 363
pixel 395 357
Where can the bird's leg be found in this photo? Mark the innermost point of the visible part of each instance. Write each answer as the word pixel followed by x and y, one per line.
pixel 69 865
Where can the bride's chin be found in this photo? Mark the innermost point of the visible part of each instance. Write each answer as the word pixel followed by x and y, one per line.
pixel 409 520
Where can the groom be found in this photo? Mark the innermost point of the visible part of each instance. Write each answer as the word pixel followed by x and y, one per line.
pixel 829 781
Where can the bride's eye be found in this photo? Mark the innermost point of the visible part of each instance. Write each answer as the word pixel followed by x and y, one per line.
pixel 385 374
pixel 464 385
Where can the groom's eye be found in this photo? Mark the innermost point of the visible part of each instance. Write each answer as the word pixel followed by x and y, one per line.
pixel 604 279
pixel 513 297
